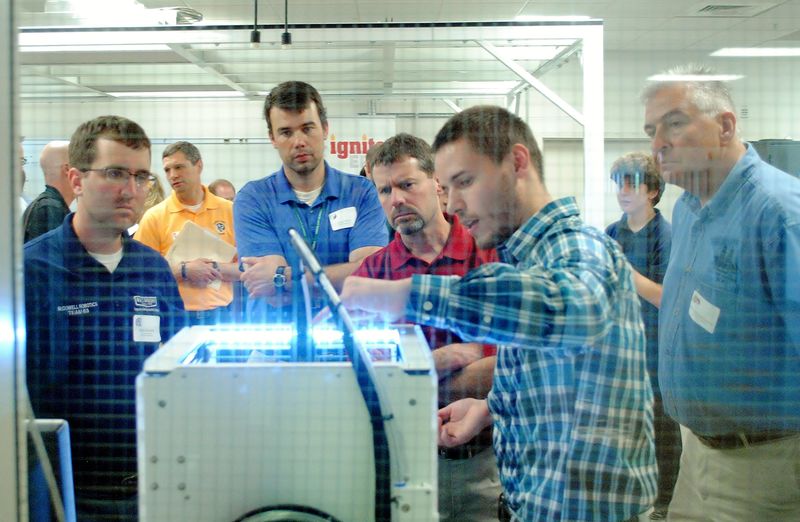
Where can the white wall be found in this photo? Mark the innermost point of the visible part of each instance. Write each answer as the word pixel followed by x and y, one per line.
pixel 231 135
pixel 767 99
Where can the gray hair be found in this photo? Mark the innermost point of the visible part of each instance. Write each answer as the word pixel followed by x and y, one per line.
pixel 190 151
pixel 711 97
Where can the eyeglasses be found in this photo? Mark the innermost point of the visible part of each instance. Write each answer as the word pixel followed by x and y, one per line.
pixel 120 176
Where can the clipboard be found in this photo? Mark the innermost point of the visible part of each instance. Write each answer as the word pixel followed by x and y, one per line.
pixel 194 242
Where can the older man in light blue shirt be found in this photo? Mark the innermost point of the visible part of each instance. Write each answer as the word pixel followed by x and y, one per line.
pixel 730 314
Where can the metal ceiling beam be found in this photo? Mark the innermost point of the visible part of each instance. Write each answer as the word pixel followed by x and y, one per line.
pixel 553 63
pixel 453 105
pixel 544 90
pixel 184 52
pixel 74 81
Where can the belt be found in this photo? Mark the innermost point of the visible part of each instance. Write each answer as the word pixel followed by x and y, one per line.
pixel 465 451
pixel 503 511
pixel 741 439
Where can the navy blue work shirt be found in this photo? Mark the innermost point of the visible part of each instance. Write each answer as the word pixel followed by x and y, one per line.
pixel 647 250
pixel 88 334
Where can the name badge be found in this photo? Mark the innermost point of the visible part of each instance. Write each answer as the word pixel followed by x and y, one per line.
pixel 703 313
pixel 147 328
pixel 343 218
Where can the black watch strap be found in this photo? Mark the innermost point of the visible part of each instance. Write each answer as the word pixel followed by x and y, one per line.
pixel 279 279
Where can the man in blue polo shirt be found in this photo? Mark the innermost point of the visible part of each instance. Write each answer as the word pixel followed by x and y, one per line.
pixel 729 325
pixel 97 304
pixel 338 214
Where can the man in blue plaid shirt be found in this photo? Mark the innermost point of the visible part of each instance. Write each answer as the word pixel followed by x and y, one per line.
pixel 571 403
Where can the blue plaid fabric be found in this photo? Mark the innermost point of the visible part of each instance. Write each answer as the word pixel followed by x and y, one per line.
pixel 571 400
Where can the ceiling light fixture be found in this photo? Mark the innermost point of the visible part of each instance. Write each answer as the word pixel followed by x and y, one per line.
pixel 286 36
pixel 695 77
pixel 176 94
pixel 93 48
pixel 177 15
pixel 255 34
pixel 757 52
pixel 535 18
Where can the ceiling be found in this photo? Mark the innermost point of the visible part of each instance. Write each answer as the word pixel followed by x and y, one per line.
pixel 375 52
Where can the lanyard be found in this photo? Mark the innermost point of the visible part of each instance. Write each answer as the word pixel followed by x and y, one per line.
pixel 312 241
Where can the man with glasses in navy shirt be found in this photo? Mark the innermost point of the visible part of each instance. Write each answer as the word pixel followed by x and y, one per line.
pixel 97 304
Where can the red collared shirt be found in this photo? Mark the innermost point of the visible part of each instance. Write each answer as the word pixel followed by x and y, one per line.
pixel 459 255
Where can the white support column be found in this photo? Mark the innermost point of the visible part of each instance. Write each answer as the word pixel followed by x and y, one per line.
pixel 12 441
pixel 593 129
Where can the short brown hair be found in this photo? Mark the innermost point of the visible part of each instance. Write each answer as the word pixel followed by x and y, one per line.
pixel 638 168
pixel 400 146
pixel 294 97
pixel 492 131
pixel 83 143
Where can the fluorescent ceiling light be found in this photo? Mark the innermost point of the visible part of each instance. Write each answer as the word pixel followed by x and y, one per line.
pixel 535 18
pixel 695 77
pixel 177 94
pixel 111 13
pixel 134 37
pixel 757 52
pixel 92 48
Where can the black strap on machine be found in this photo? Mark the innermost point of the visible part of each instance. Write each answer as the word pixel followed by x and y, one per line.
pixel 362 367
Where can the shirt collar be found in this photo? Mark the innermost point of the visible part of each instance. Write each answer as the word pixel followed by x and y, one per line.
pixel 55 193
pixel 623 222
pixel 457 247
pixel 330 187
pixel 719 202
pixel 209 203
pixel 76 256
pixel 736 178
pixel 522 241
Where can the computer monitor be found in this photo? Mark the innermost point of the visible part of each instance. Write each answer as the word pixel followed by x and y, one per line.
pixel 55 435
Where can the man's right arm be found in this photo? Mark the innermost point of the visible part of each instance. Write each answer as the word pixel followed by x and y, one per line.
pixel 259 248
pixel 258 277
pixel 473 380
pixel 648 290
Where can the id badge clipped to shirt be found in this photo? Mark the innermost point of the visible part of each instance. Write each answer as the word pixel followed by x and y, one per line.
pixel 146 328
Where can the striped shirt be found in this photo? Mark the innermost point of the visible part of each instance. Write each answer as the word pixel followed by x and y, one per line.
pixel 571 400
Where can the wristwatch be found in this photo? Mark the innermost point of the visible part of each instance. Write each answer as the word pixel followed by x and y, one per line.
pixel 279 279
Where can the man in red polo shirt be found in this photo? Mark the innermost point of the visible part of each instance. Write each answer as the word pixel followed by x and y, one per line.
pixel 430 242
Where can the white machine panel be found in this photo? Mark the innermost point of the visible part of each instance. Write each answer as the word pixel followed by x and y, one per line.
pixel 227 425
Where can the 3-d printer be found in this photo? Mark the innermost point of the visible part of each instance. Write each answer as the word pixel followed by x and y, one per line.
pixel 231 426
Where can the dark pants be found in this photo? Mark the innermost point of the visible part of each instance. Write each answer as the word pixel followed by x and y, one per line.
pixel 668 452
pixel 124 510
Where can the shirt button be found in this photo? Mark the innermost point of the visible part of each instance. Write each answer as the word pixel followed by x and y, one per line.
pixel 427 306
pixel 487 318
